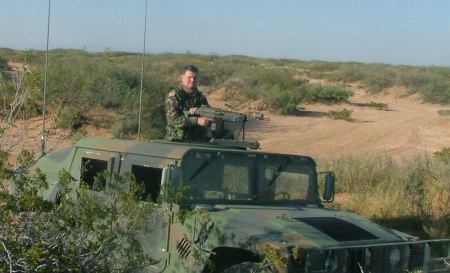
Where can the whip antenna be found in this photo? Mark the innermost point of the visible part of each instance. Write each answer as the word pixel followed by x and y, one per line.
pixel 45 83
pixel 142 73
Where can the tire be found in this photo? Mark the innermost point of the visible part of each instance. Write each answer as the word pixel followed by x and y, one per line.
pixel 247 268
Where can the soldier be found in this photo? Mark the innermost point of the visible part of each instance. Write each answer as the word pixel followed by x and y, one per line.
pixel 182 99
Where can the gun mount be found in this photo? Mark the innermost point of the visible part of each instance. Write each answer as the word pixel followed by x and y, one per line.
pixel 227 127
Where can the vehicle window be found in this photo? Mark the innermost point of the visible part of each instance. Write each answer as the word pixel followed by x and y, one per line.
pixel 150 178
pixel 217 176
pixel 231 176
pixel 291 182
pixel 93 173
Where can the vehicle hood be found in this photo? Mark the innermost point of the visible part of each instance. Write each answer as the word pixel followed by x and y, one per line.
pixel 308 227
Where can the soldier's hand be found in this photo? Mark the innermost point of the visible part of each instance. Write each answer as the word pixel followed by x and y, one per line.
pixel 192 111
pixel 203 121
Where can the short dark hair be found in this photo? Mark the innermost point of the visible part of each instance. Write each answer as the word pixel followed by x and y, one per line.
pixel 191 68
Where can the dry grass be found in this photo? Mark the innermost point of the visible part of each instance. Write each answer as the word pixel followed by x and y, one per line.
pixel 412 196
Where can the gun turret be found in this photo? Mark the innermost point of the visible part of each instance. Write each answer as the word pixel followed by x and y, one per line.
pixel 226 125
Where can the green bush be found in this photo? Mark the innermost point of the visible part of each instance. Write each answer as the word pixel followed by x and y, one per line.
pixel 71 119
pixel 413 78
pixel 320 66
pixel 436 92
pixel 86 235
pixel 345 114
pixel 377 105
pixel 443 155
pixel 349 72
pixel 328 94
pixel 380 79
pixel 3 64
pixel 444 112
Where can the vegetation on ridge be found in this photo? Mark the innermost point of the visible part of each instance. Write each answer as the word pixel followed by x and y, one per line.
pixel 79 81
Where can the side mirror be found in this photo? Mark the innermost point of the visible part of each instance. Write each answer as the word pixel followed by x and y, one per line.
pixel 328 193
pixel 171 175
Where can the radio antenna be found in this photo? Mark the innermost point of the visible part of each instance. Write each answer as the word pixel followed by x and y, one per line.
pixel 45 83
pixel 142 73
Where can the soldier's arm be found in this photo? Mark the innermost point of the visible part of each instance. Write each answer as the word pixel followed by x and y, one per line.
pixel 175 115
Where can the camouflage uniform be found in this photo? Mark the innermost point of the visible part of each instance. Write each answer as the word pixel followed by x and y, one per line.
pixel 179 126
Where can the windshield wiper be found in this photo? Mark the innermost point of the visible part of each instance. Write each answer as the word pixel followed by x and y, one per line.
pixel 203 166
pixel 280 169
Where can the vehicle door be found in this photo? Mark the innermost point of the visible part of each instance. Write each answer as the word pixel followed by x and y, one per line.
pixel 89 166
pixel 147 171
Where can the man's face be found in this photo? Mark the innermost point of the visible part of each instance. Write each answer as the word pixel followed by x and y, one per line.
pixel 189 80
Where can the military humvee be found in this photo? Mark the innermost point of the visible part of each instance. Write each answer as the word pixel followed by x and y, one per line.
pixel 249 203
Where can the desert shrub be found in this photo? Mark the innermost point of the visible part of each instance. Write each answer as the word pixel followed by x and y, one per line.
pixel 412 77
pixel 344 114
pixel 283 102
pixel 89 234
pixel 282 90
pixel 320 66
pixel 278 78
pixel 377 105
pixel 379 79
pixel 326 94
pixel 125 126
pixel 3 64
pixel 287 100
pixel 444 112
pixel 8 54
pixel 70 118
pixel 412 192
pixel 436 92
pixel 443 155
pixel 348 72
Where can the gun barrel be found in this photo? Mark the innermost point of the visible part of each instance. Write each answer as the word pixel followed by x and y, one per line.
pixel 211 112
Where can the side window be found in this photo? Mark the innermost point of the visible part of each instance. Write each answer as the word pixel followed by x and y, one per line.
pixel 150 178
pixel 91 173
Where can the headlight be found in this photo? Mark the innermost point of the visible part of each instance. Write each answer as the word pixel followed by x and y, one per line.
pixel 333 261
pixel 298 257
pixel 390 258
pixel 394 256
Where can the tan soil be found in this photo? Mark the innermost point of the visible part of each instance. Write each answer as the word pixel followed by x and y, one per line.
pixel 407 128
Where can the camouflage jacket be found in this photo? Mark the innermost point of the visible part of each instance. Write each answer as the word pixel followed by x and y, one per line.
pixel 179 126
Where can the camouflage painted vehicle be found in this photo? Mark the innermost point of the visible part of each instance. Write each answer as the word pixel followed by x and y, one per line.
pixel 256 211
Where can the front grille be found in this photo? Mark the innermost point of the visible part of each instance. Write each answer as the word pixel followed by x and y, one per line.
pixel 374 258
pixel 439 265
pixel 388 259
pixel 391 259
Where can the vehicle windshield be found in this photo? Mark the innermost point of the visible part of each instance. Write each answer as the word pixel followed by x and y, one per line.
pixel 237 177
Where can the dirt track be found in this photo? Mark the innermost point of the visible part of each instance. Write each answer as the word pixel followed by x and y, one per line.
pixel 408 127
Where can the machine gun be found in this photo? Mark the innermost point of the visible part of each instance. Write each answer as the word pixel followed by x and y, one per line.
pixel 226 125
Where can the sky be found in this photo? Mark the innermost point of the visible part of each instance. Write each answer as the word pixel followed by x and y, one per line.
pixel 397 32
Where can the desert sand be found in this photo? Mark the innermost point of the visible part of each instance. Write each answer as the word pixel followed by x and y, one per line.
pixel 407 127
